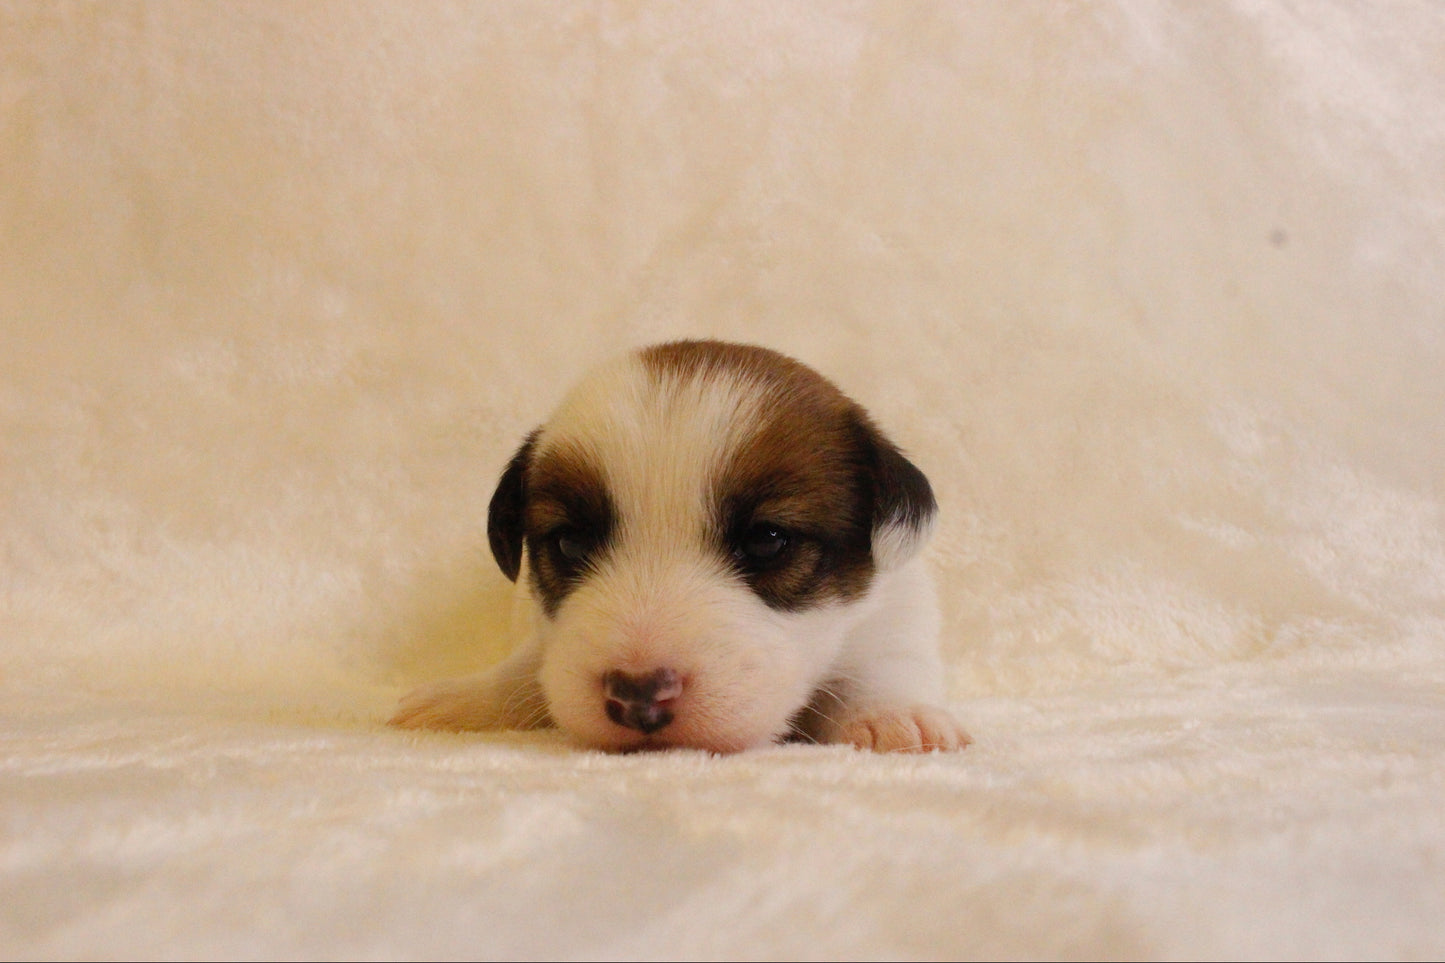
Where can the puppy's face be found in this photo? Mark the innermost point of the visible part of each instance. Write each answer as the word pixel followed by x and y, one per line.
pixel 700 524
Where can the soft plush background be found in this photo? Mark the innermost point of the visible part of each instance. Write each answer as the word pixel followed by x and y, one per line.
pixel 1152 290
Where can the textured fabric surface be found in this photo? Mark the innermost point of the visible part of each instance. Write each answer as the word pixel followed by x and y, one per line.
pixel 1151 290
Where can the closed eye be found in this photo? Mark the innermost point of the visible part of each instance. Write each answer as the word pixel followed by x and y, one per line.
pixel 762 545
pixel 572 547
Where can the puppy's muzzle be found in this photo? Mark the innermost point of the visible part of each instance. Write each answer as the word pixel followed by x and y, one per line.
pixel 641 700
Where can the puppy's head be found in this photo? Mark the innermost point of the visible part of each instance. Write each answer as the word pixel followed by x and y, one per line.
pixel 700 523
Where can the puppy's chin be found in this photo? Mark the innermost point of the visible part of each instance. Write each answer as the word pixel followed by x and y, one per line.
pixel 714 739
pixel 741 671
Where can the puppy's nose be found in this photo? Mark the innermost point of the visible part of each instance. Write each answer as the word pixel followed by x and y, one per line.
pixel 641 700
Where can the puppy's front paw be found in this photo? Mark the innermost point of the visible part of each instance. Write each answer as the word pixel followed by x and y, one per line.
pixel 918 728
pixel 453 705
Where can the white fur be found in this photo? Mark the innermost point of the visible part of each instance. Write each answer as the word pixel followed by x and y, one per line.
pixel 867 670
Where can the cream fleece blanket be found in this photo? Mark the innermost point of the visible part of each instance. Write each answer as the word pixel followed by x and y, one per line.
pixel 1152 290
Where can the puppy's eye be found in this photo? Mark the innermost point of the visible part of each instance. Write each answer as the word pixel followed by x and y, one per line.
pixel 574 545
pixel 761 544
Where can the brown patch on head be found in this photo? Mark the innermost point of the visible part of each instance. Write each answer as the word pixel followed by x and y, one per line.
pixel 569 521
pixel 691 359
pixel 797 504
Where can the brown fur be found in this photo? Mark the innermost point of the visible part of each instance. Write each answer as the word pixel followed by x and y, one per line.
pixel 810 468
pixel 565 496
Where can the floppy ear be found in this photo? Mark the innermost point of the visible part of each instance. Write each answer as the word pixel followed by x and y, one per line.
pixel 904 509
pixel 507 511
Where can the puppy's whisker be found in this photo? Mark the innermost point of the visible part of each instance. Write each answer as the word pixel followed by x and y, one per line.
pixel 527 708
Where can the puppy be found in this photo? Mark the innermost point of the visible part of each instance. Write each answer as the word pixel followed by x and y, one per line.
pixel 714 548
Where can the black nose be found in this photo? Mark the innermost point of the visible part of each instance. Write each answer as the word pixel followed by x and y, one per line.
pixel 641 700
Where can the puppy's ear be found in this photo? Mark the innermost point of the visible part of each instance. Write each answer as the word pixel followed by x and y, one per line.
pixel 904 509
pixel 507 512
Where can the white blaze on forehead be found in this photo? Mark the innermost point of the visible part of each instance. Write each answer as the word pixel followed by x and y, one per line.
pixel 659 438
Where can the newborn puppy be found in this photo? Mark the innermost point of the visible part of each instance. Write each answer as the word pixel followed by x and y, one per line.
pixel 714 548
